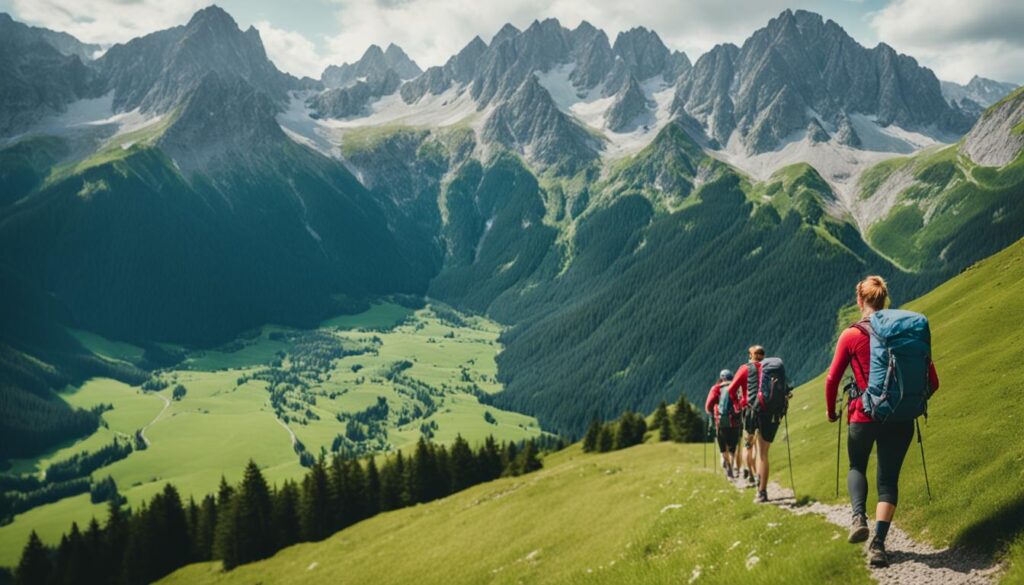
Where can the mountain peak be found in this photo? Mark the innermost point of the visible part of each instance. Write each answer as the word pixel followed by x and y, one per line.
pixel 214 15
pixel 507 32
pixel 372 52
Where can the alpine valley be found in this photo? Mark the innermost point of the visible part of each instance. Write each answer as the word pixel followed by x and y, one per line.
pixel 584 225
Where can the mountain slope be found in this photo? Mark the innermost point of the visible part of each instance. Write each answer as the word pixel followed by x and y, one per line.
pixel 943 209
pixel 640 294
pixel 976 501
pixel 39 79
pixel 799 66
pixel 622 506
pixel 632 516
pixel 156 72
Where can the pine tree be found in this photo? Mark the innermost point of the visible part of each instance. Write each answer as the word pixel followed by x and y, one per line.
pixel 489 460
pixel 35 565
pixel 625 431
pixel 206 528
pixel 373 488
pixel 462 465
pixel 441 480
pixel 169 528
pixel 528 459
pixel 286 515
pixel 660 415
pixel 605 439
pixel 639 429
pixel 339 510
pixel 590 439
pixel 94 550
pixel 420 473
pixel 249 527
pixel 508 460
pixel 314 506
pixel 77 563
pixel 665 429
pixel 392 481
pixel 356 492
pixel 115 540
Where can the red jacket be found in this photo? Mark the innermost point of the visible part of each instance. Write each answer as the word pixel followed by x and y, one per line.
pixel 740 381
pixel 711 406
pixel 854 348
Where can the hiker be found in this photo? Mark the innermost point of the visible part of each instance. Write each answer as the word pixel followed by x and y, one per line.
pixel 763 419
pixel 725 413
pixel 892 434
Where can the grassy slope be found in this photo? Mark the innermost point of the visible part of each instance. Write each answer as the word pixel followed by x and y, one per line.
pixel 584 518
pixel 972 438
pixel 218 426
pixel 583 512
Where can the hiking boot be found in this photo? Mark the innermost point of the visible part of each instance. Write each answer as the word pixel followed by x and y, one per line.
pixel 858 529
pixel 761 497
pixel 728 472
pixel 877 555
pixel 746 474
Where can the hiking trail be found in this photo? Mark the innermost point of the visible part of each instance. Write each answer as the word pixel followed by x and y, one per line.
pixel 910 562
pixel 167 404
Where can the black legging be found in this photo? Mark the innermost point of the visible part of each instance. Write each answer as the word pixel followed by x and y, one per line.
pixel 893 441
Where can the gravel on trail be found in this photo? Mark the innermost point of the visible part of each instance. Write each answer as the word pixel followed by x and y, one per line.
pixel 910 562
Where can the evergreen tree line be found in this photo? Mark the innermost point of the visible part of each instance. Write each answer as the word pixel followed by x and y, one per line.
pixel 252 520
pixel 63 479
pixel 684 424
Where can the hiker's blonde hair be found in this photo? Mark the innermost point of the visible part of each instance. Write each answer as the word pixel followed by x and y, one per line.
pixel 873 292
pixel 756 352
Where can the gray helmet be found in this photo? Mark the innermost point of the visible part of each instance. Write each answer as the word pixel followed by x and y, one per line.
pixel 725 375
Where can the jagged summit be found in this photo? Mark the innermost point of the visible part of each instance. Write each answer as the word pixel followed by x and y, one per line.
pixel 157 71
pixel 801 63
pixel 506 32
pixel 374 64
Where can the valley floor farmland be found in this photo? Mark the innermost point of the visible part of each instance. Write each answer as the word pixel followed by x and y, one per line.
pixel 429 367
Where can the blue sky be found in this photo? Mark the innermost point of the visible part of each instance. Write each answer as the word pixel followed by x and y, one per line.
pixel 954 37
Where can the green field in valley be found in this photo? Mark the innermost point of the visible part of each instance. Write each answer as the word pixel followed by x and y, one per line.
pixel 227 415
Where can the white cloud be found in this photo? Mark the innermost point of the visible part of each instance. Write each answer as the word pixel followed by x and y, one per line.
pixel 291 51
pixel 106 21
pixel 958 39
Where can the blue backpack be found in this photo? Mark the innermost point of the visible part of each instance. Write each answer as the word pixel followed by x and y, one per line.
pixel 901 354
pixel 726 416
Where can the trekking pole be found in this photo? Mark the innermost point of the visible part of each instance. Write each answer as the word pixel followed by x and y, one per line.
pixel 789 454
pixel 923 464
pixel 705 441
pixel 839 444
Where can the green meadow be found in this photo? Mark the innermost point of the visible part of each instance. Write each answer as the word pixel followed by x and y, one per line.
pixel 647 514
pixel 652 514
pixel 972 437
pixel 226 416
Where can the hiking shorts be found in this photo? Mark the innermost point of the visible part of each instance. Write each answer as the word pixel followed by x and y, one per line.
pixel 749 423
pixel 728 438
pixel 767 427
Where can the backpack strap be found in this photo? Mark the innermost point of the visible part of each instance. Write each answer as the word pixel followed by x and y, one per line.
pixel 864 326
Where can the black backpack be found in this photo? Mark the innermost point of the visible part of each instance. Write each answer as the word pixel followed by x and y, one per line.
pixel 770 389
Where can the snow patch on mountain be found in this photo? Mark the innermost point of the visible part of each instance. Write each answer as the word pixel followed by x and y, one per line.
pixel 326 134
pixel 94 114
pixel 590 106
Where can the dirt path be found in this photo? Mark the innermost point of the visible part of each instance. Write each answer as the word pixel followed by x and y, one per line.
pixel 142 432
pixel 291 433
pixel 911 562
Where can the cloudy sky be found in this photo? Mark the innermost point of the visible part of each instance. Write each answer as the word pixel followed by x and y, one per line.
pixel 955 38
